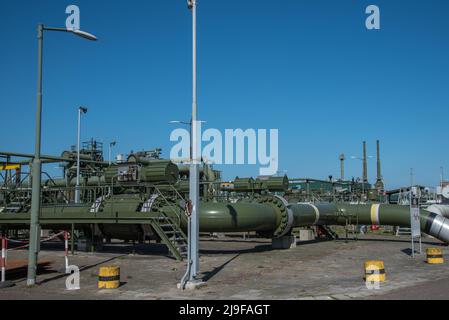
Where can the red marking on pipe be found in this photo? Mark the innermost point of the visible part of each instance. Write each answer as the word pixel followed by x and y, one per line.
pixel 189 208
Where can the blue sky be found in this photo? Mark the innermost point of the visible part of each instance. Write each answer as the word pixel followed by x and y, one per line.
pixel 308 68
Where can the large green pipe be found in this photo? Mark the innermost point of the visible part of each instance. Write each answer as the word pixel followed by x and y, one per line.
pixel 269 215
pixel 237 217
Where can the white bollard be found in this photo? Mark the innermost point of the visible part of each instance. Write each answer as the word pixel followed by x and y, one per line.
pixel 3 261
pixel 66 253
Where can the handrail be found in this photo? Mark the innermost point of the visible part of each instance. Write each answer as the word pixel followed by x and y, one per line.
pixel 170 205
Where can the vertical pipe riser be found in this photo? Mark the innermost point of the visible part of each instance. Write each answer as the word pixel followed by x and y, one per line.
pixel 36 172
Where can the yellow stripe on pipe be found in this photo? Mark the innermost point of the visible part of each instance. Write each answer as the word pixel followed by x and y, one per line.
pixel 9 166
pixel 375 214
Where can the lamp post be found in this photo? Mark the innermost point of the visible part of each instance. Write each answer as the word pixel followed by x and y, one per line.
pixel 193 238
pixel 364 179
pixel 37 164
pixel 193 223
pixel 111 144
pixel 194 167
pixel 77 188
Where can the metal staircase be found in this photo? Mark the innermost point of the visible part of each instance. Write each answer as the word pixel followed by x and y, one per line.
pixel 166 228
pixel 19 201
pixel 402 231
pixel 172 236
pixel 327 232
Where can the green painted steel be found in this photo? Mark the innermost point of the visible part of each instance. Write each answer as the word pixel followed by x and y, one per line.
pixel 337 214
pixel 268 215
pixel 273 184
pixel 235 217
pixel 243 184
pixel 153 171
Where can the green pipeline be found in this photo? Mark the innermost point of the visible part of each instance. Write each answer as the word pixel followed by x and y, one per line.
pixel 368 214
pixel 269 215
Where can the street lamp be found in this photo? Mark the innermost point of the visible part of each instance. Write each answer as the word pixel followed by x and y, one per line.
pixel 360 158
pixel 111 144
pixel 37 164
pixel 77 188
pixel 180 122
pixel 194 187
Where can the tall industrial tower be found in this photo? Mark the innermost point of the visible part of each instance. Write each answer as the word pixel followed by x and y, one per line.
pixel 342 167
pixel 365 170
pixel 379 181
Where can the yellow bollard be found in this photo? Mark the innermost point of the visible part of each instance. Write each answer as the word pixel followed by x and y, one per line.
pixel 109 278
pixel 374 271
pixel 434 256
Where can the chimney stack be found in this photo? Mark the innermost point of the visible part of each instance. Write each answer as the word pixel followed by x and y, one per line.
pixel 379 182
pixel 342 167
pixel 365 170
pixel 379 176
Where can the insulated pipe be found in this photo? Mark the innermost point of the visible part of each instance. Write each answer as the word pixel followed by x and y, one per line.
pixel 439 209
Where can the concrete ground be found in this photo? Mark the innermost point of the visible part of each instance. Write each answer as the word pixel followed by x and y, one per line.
pixel 246 269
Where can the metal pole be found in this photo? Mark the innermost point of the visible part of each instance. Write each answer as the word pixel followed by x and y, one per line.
pixel 365 169
pixel 194 172
pixel 110 147
pixel 379 174
pixel 77 190
pixel 72 239
pixel 36 171
pixel 411 206
pixel 363 190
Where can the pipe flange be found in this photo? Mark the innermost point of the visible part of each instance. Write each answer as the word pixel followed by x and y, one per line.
pixel 282 209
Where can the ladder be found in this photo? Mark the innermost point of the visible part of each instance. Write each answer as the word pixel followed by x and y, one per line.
pixel 403 231
pixel 351 228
